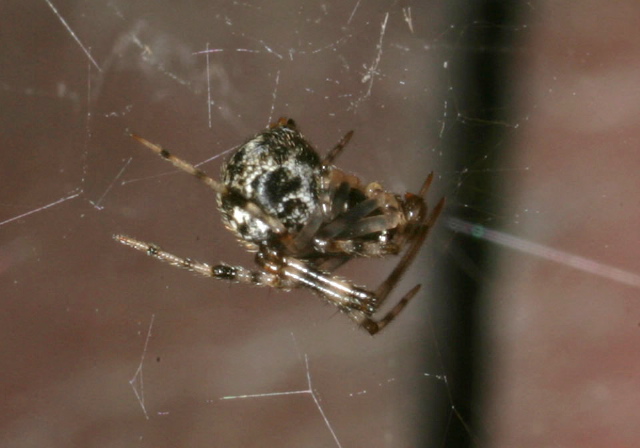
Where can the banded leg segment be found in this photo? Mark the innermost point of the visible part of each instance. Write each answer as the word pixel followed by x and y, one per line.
pixel 237 274
pixel 335 152
pixel 216 186
pixel 183 165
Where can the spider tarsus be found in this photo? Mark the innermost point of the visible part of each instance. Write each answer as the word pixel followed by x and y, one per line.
pixel 335 152
pixel 121 239
pixel 374 327
pixel 426 185
pixel 436 212
pixel 152 146
pixel 142 140
pixel 135 244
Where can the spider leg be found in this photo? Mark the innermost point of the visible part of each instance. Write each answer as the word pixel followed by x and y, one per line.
pixel 182 165
pixel 324 249
pixel 369 225
pixel 349 226
pixel 301 242
pixel 355 222
pixel 333 196
pixel 337 201
pixel 374 326
pixel 237 274
pixel 347 219
pixel 334 191
pixel 335 152
pixel 358 303
pixel 355 248
pixel 425 186
pixel 216 186
pixel 407 258
pixel 334 289
pixel 331 263
pixel 332 230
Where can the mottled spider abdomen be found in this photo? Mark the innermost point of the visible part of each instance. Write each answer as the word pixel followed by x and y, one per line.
pixel 280 172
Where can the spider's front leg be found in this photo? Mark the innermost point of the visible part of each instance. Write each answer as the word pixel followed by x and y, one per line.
pixel 237 274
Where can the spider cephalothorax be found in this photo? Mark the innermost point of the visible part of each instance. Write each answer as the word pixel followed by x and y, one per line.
pixel 304 217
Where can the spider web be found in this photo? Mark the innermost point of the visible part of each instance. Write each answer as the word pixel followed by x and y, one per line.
pixel 533 344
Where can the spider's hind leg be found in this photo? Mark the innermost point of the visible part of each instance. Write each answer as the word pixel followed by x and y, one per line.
pixel 407 258
pixel 374 326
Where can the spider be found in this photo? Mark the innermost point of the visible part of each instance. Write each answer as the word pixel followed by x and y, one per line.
pixel 304 218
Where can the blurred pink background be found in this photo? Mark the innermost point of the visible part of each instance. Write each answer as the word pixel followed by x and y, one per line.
pixel 83 314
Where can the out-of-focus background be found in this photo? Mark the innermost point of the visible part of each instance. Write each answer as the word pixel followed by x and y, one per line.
pixel 527 327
